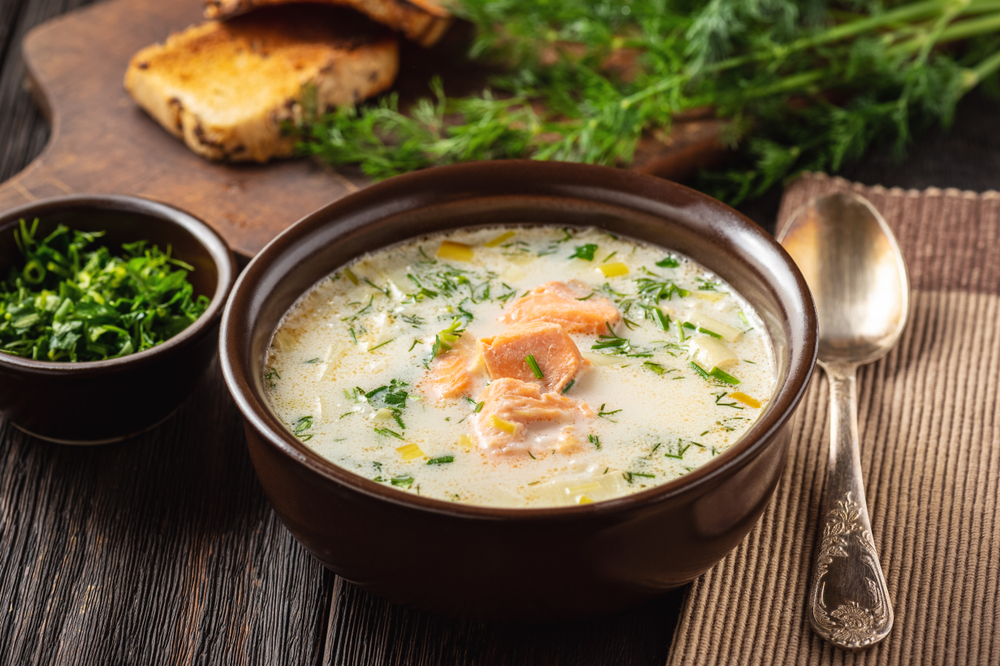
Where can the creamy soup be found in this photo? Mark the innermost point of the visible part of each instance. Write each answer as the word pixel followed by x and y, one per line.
pixel 520 366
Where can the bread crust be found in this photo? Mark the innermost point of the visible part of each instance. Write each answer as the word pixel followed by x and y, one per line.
pixel 421 21
pixel 225 89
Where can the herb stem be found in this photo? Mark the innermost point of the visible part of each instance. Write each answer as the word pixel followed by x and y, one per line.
pixel 986 68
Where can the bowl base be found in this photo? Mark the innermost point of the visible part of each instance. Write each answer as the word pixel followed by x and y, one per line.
pixel 95 442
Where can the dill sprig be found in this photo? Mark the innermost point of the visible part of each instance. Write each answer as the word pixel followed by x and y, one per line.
pixel 802 84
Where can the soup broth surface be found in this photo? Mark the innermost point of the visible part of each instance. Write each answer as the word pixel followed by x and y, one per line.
pixel 520 366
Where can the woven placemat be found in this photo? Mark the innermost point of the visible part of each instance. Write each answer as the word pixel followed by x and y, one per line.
pixel 930 449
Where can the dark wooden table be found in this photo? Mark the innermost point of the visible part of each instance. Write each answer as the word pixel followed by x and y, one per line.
pixel 163 549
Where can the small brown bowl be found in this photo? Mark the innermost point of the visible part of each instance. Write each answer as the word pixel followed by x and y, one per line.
pixel 501 563
pixel 98 402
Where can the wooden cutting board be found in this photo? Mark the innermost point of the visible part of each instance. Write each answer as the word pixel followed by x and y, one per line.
pixel 102 142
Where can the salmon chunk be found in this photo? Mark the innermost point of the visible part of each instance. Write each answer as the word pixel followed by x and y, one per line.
pixel 511 408
pixel 559 303
pixel 554 351
pixel 452 374
pixel 448 377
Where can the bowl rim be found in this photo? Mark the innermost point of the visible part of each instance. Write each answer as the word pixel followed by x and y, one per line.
pixel 206 236
pixel 240 381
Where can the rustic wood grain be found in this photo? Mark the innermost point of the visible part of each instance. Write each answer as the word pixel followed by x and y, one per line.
pixel 102 142
pixel 160 549
pixel 22 134
pixel 364 629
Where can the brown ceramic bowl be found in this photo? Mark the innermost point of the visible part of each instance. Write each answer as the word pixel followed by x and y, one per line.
pixel 518 564
pixel 103 401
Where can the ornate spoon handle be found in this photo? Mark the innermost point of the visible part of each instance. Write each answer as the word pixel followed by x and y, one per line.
pixel 848 603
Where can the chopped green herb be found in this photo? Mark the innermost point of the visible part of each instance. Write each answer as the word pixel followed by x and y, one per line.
pixel 585 252
pixel 605 260
pixel 723 376
pixel 444 340
pixel 677 450
pixel 402 481
pixel 270 376
pixel 709 333
pixel 668 262
pixel 569 386
pixel 697 368
pixel 595 440
pixel 631 476
pixel 299 428
pixel 357 315
pixel 70 303
pixel 655 367
pixel 662 320
pixel 533 364
pixel 705 284
pixel 654 291
pixel 384 291
pixel 313 361
pixel 607 415
pixel 719 397
pixel 386 432
pixel 381 344
pixel 441 460
pixel 395 394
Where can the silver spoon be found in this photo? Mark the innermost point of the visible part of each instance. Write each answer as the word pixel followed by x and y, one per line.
pixel 854 268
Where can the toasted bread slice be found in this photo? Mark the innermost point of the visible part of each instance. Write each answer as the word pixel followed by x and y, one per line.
pixel 226 88
pixel 421 21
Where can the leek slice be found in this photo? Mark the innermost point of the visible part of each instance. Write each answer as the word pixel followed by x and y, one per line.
pixel 728 333
pixel 710 352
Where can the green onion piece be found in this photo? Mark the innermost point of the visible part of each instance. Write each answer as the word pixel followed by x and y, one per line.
pixel 402 481
pixel 569 386
pixel 708 332
pixel 533 364
pixel 584 252
pixel 723 376
pixel 441 460
pixel 655 367
pixel 661 319
pixel 381 344
pixel 668 262
pixel 697 368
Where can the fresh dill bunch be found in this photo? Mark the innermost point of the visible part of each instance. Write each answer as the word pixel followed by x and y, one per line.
pixel 802 84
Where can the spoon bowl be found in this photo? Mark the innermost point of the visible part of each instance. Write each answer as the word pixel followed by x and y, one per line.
pixel 857 277
pixel 854 268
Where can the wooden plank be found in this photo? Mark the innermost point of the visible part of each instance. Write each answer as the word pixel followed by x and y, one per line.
pixel 364 629
pixel 160 549
pixel 22 133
